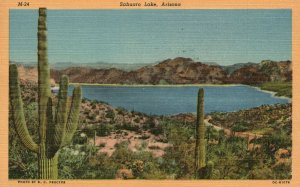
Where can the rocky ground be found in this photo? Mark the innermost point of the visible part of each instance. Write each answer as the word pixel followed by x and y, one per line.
pixel 260 120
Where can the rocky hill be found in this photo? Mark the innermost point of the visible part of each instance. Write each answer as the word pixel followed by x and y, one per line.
pixel 176 71
pixel 179 71
pixel 266 71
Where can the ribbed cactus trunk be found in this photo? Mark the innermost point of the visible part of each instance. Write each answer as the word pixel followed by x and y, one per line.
pixel 45 171
pixel 56 128
pixel 48 167
pixel 200 137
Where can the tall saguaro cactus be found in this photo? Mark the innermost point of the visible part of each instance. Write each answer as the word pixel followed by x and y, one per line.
pixel 56 127
pixel 200 137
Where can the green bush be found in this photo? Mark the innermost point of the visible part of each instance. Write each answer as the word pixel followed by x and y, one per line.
pixel 89 131
pixel 103 129
pixel 240 127
pixel 80 138
pixel 110 114
pixel 137 120
pixel 129 127
pixel 157 130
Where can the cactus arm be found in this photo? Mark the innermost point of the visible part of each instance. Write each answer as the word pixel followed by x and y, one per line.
pixel 73 117
pixel 43 74
pixel 61 112
pixel 17 110
pixel 56 130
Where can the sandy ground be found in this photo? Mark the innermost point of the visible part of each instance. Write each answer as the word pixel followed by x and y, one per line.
pixel 135 141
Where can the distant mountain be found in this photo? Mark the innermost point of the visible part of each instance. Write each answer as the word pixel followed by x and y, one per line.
pixel 211 63
pixel 95 65
pixel 177 71
pixel 101 65
pixel 90 75
pixel 171 71
pixel 231 68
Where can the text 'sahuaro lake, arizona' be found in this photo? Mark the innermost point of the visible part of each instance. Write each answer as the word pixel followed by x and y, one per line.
pixel 167 100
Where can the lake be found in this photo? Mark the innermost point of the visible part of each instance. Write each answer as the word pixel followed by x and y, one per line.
pixel 180 99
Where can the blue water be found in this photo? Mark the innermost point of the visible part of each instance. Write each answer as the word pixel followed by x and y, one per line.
pixel 173 100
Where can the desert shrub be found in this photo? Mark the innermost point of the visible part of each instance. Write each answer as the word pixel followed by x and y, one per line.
pixel 156 130
pixel 89 131
pixel 92 116
pixel 142 146
pixel 212 133
pixel 110 114
pixel 121 110
pixel 178 159
pixel 131 127
pixel 271 143
pixel 102 145
pixel 84 100
pixel 262 172
pixel 80 138
pixel 137 120
pixel 240 127
pixel 137 168
pixel 22 163
pixel 118 131
pixel 100 166
pixel 103 129
pixel 94 106
pixel 283 171
pixel 122 155
pixel 149 123
pixel 152 170
pixel 124 173
pixel 126 133
pixel 73 165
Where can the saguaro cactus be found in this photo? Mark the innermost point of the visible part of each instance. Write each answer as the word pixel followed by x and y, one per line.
pixel 200 137
pixel 56 128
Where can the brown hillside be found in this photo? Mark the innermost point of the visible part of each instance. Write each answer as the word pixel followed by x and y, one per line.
pixel 173 71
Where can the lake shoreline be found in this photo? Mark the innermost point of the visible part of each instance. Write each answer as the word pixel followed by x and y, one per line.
pixel 273 93
pixel 173 99
pixel 152 85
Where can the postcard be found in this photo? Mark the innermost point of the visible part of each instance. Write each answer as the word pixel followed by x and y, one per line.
pixel 143 93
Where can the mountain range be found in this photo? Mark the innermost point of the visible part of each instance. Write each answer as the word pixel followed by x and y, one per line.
pixel 174 71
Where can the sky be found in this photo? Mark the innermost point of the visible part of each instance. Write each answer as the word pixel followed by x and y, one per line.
pixel 148 36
